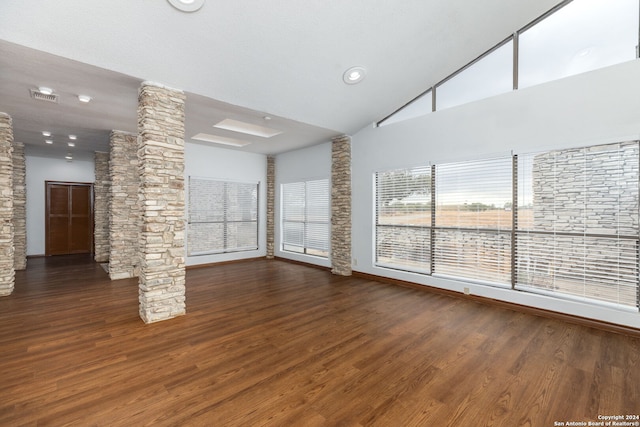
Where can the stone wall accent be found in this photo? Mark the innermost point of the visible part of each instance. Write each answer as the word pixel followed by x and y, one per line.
pixel 583 189
pixel 161 170
pixel 102 191
pixel 19 207
pixel 589 190
pixel 271 202
pixel 124 206
pixel 341 206
pixel 7 270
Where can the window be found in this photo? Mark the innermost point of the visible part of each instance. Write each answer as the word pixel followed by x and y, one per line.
pixel 582 36
pixel 418 107
pixel 573 232
pixel 223 216
pixel 474 219
pixel 403 219
pixel 578 223
pixel 490 75
pixel 305 217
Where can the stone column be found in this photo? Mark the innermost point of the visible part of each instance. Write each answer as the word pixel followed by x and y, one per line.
pixel 271 194
pixel 161 166
pixel 101 189
pixel 124 206
pixel 341 206
pixel 19 207
pixel 7 269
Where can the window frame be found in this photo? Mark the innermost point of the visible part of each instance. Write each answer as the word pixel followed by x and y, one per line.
pixel 305 223
pixel 224 214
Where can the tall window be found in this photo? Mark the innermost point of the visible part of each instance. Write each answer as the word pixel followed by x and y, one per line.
pixel 578 222
pixel 573 232
pixel 223 216
pixel 305 217
pixel 473 219
pixel 403 219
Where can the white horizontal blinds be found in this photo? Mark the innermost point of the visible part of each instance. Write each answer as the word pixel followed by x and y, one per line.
pixel 403 219
pixel 317 224
pixel 293 216
pixel 241 212
pixel 578 225
pixel 223 216
pixel 206 217
pixel 305 217
pixel 474 219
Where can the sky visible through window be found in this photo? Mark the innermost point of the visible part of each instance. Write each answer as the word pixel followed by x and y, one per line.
pixel 582 36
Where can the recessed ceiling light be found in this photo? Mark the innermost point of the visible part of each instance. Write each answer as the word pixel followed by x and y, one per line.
pixel 48 141
pixel 84 98
pixel 45 90
pixel 220 140
pixel 71 144
pixel 73 137
pixel 187 5
pixel 354 75
pixel 68 156
pixel 248 128
pixel 46 133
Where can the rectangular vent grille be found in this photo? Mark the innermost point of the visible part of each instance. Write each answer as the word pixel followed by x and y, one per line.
pixel 43 97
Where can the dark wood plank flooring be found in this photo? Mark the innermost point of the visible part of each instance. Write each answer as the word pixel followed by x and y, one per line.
pixel 275 343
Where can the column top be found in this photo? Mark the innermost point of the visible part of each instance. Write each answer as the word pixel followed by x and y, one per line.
pixel 160 85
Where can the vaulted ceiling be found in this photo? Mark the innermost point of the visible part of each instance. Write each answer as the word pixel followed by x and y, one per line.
pixel 244 60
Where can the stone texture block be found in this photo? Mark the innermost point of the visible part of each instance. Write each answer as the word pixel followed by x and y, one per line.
pixel 19 207
pixel 102 194
pixel 271 195
pixel 7 269
pixel 124 206
pixel 161 172
pixel 341 206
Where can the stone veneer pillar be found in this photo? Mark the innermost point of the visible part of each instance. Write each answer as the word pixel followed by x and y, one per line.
pixel 19 207
pixel 124 206
pixel 101 190
pixel 161 166
pixel 341 206
pixel 7 269
pixel 271 194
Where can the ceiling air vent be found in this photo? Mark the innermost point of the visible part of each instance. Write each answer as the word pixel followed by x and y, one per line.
pixel 36 94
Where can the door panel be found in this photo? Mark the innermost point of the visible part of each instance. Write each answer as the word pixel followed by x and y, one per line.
pixel 69 218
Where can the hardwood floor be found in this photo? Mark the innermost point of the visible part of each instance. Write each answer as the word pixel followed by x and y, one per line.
pixel 275 343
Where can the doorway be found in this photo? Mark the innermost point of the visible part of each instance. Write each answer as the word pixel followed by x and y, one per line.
pixel 68 218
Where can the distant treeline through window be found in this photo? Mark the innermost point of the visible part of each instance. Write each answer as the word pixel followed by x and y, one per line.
pixel 561 222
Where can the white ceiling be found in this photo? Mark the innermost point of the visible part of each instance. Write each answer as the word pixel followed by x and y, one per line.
pixel 236 59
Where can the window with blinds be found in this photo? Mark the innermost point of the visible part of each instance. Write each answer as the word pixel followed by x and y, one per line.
pixel 403 219
pixel 223 216
pixel 473 220
pixel 577 228
pixel 575 235
pixel 305 217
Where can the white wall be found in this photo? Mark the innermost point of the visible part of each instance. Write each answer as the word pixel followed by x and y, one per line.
pixel 300 165
pixel 596 107
pixel 39 170
pixel 230 165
